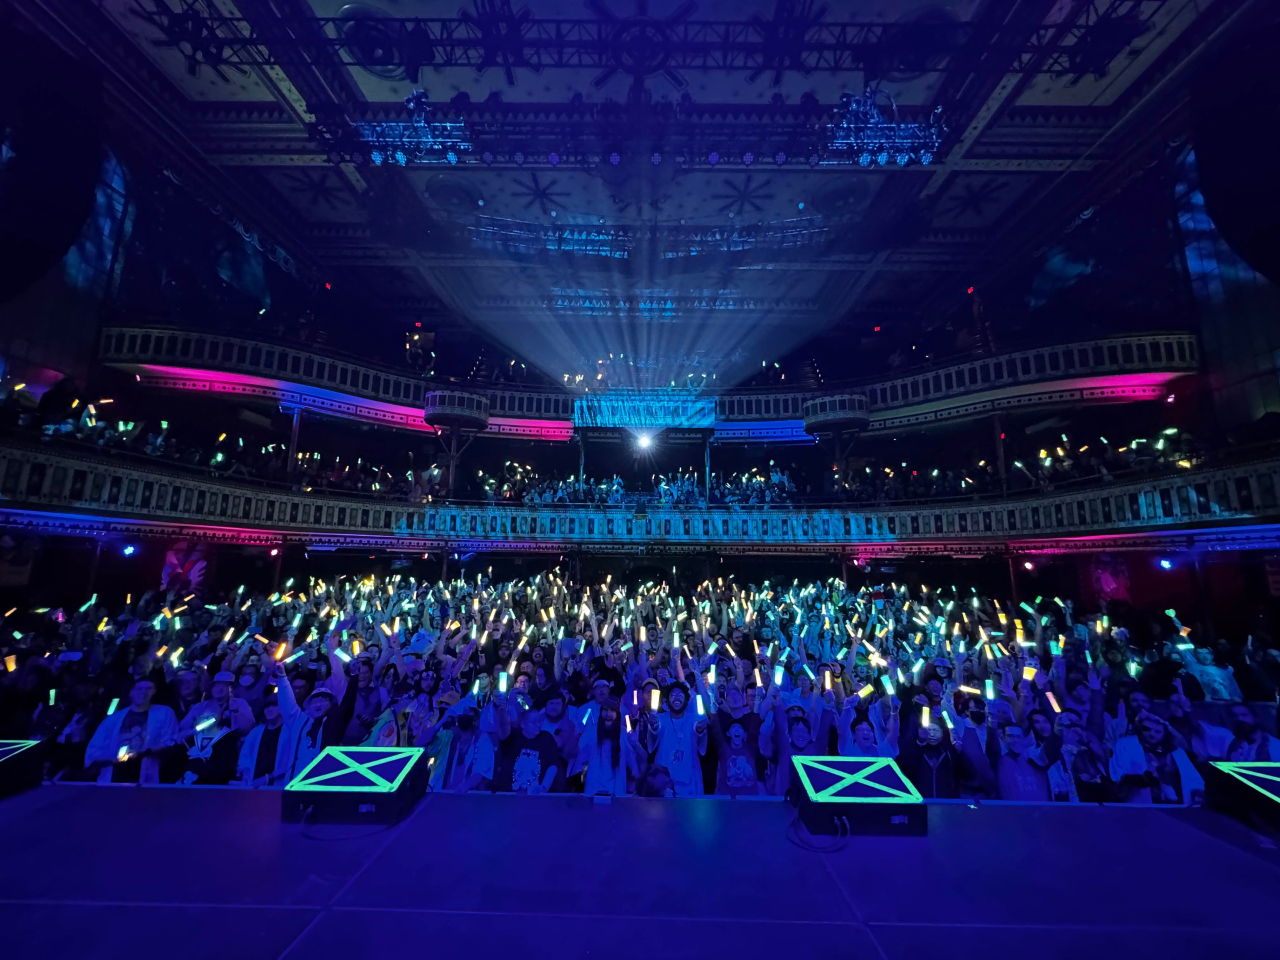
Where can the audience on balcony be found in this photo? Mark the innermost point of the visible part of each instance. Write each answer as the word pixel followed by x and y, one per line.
pixel 552 685
pixel 1031 465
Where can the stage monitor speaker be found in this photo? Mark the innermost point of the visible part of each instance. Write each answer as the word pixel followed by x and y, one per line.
pixel 1247 791
pixel 1236 111
pixel 357 785
pixel 858 796
pixel 50 155
pixel 21 766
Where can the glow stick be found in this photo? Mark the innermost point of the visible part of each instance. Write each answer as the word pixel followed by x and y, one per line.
pixel 207 722
pixel 502 682
pixel 294 656
pixel 702 710
pixel 11 612
pixel 281 649
pixel 122 755
pixel 865 691
pixel 946 717
pixel 355 648
pixel 826 679
pixel 11 663
pixel 654 699
pixel 112 709
pixel 342 655
pixel 1053 701
pixel 888 684
pixel 991 690
pixel 925 718
pixel 92 601
pixel 757 676
pixel 1028 673
pixel 973 690
pixel 385 629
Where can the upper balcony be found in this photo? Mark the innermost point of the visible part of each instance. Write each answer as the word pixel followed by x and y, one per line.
pixel 1111 370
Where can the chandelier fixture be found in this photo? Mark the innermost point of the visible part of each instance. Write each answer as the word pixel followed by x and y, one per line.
pixel 869 132
pixel 421 139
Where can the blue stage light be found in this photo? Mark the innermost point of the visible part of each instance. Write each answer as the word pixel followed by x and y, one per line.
pixel 451 157
pixel 553 159
pixel 713 158
pixel 780 158
pixel 748 158
pixel 1166 564
pixel 864 160
pixel 129 550
pixel 614 159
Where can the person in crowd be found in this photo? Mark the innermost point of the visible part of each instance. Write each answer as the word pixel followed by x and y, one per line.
pixel 128 744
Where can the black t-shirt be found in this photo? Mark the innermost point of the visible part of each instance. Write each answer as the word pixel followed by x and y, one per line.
pixel 737 767
pixel 524 761
pixel 267 746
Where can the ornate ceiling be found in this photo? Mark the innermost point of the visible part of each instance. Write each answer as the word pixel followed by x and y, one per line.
pixel 650 160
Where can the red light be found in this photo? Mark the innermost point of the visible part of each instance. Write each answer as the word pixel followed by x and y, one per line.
pixel 877 330
pixel 419 324
pixel 1002 436
pixel 327 287
pixel 970 290
pixel 913 473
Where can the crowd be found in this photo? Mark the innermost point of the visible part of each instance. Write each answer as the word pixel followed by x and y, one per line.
pixel 550 685
pixel 1035 468
pixel 1060 463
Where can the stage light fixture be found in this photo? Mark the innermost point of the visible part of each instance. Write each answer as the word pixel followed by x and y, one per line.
pixel 645 441
pixel 129 550
pixel 1166 564
pixel 713 158
pixel 1027 564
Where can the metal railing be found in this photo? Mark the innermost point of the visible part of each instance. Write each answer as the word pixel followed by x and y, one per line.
pixel 41 479
pixel 1113 356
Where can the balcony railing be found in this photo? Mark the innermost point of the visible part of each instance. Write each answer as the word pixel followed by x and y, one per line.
pixel 891 402
pixel 49 488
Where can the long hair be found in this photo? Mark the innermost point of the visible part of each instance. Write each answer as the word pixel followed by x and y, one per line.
pixel 612 737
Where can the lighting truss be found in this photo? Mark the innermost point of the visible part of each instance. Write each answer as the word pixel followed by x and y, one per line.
pixel 869 132
pixel 421 139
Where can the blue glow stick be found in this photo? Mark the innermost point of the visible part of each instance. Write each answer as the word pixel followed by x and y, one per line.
pixel 991 690
pixel 888 684
pixel 112 709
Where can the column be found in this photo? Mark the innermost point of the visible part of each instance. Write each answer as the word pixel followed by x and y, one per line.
pixel 293 439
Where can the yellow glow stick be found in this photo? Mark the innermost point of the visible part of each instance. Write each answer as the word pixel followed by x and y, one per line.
pixel 655 697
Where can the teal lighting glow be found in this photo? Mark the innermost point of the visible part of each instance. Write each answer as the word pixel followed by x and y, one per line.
pixel 1263 777
pixel 357 770
pixel 854 780
pixel 11 748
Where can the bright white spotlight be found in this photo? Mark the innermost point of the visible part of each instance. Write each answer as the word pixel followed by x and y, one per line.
pixel 644 441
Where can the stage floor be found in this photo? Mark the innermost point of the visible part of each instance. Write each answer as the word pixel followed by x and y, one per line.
pixel 107 872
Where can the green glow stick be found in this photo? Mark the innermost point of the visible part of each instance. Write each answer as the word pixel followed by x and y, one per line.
pixel 53 694
pixel 990 690
pixel 207 722
pixel 112 709
pixel 294 656
pixel 342 655
pixel 92 601
pixel 777 675
pixel 888 684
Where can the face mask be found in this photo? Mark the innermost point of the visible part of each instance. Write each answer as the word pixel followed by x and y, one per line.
pixel 466 722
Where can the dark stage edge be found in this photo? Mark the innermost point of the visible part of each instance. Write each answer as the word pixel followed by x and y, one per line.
pixel 107 872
